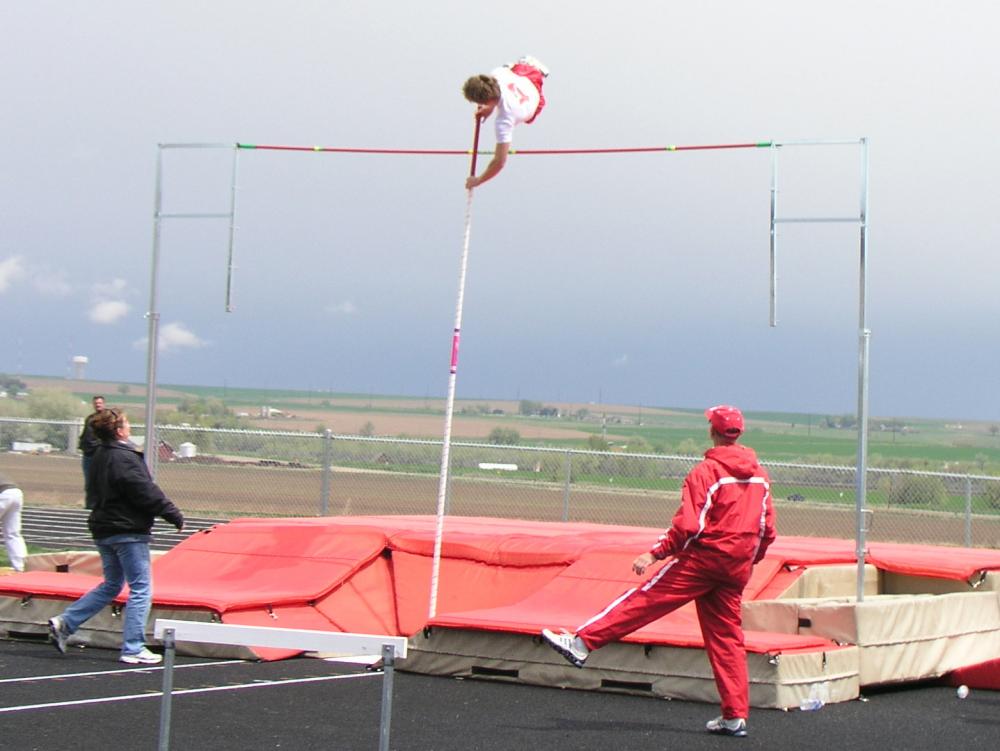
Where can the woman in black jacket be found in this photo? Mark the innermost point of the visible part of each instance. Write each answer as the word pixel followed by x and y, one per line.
pixel 123 501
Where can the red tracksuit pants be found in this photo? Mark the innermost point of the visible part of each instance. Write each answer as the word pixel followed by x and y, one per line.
pixel 718 598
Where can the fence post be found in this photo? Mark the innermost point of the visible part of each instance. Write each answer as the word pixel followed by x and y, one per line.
pixel 568 467
pixel 968 511
pixel 324 501
pixel 72 431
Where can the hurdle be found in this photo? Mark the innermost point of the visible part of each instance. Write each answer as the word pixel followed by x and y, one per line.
pixel 171 631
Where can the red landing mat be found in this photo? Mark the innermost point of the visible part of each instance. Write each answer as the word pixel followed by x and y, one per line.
pixel 985 675
pixel 372 574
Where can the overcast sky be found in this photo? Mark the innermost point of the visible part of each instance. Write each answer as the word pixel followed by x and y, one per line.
pixel 639 279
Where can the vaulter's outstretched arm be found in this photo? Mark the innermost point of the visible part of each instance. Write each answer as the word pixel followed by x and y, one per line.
pixel 492 169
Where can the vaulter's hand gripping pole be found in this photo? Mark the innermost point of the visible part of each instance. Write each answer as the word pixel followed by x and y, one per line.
pixel 450 404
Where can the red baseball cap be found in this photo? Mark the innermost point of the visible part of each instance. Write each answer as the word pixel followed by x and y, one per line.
pixel 726 420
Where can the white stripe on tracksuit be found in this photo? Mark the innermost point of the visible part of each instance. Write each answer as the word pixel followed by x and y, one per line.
pixel 609 608
pixel 702 517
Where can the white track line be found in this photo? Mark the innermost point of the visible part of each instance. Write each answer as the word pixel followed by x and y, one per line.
pixel 181 692
pixel 120 671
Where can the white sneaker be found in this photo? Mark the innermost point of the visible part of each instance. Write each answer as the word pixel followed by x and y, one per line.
pixel 720 726
pixel 568 645
pixel 142 657
pixel 57 633
pixel 534 62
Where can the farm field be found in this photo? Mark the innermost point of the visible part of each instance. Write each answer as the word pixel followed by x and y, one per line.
pixel 933 445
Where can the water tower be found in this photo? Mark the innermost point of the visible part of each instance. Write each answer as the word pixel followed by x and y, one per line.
pixel 79 366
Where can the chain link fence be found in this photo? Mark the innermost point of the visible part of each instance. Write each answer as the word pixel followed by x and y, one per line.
pixel 230 473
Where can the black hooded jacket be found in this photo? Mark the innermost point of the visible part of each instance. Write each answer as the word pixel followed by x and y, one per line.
pixel 122 496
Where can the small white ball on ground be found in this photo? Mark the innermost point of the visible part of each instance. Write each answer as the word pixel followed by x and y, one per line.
pixel 962 692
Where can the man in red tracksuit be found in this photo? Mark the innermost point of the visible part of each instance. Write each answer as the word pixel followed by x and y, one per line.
pixel 723 527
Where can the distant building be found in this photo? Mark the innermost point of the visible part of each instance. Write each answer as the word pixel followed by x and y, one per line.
pixel 79 363
pixel 30 447
pixel 498 466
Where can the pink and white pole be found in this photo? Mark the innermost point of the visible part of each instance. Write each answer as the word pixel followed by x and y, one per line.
pixel 449 409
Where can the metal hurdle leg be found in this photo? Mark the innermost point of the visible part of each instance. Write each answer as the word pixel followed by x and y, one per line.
pixel 168 687
pixel 283 638
pixel 388 667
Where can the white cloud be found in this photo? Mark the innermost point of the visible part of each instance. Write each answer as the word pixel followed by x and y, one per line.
pixel 177 336
pixel 620 362
pixel 108 311
pixel 52 284
pixel 114 288
pixel 45 281
pixel 345 308
pixel 11 270
pixel 107 305
pixel 173 336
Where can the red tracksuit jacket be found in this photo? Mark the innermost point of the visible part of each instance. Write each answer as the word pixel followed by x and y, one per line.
pixel 725 512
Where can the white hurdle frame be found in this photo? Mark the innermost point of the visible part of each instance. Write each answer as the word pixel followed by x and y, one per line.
pixel 171 631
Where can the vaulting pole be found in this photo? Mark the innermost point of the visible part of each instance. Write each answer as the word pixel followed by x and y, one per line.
pixel 452 376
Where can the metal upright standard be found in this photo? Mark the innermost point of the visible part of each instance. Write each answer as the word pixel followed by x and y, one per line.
pixel 153 314
pixel 864 333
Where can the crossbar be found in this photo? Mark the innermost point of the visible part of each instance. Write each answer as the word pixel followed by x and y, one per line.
pixel 460 152
pixel 170 631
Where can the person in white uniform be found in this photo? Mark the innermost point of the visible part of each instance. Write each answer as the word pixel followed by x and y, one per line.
pixel 11 503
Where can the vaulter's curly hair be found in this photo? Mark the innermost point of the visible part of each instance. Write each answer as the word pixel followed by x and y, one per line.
pixel 107 422
pixel 481 89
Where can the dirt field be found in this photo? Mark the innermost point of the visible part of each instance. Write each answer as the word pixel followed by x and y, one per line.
pixel 307 415
pixel 470 427
pixel 417 426
pixel 226 491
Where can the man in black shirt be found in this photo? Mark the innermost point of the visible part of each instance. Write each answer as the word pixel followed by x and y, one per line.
pixel 89 442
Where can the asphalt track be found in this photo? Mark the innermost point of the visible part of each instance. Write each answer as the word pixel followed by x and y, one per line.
pixel 87 700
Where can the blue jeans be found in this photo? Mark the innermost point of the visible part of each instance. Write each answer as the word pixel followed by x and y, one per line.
pixel 124 558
